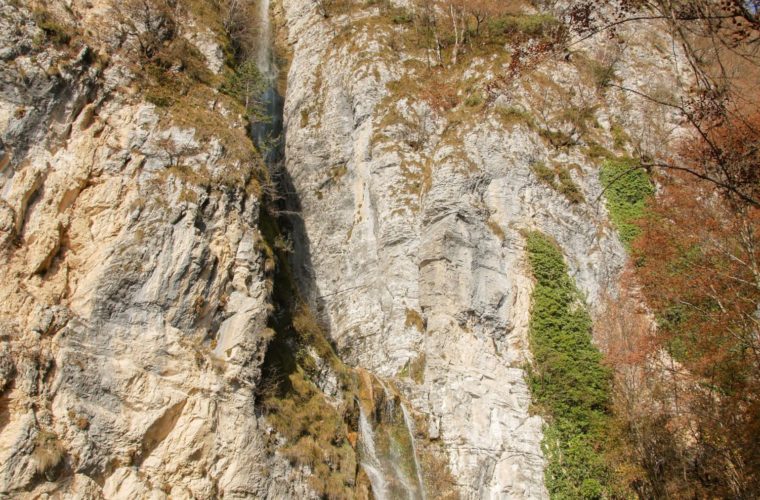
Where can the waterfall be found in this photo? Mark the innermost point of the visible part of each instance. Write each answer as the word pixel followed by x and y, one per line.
pixel 266 133
pixel 264 58
pixel 402 478
pixel 410 428
pixel 369 459
pixel 382 450
pixel 399 480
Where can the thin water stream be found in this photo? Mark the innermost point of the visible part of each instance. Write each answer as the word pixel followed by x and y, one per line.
pixel 369 459
pixel 267 133
pixel 402 473
pixel 410 428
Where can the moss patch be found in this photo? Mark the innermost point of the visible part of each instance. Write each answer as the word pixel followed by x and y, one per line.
pixel 496 229
pixel 414 319
pixel 415 369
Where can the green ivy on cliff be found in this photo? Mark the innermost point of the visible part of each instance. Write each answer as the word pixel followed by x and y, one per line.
pixel 569 384
pixel 627 190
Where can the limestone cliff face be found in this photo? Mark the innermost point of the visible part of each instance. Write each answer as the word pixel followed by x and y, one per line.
pixel 135 290
pixel 134 299
pixel 414 216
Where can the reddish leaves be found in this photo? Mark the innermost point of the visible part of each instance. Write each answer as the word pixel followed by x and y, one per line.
pixel 698 267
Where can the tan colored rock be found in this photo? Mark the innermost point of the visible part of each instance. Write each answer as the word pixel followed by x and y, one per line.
pixel 134 301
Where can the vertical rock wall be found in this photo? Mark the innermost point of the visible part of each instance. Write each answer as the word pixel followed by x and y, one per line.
pixel 414 217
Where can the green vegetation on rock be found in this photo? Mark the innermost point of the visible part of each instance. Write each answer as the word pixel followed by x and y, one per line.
pixel 569 384
pixel 627 190
pixel 559 179
pixel 529 25
pixel 53 30
pixel 245 84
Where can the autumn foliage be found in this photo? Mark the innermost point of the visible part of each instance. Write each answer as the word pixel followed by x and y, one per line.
pixel 728 153
pixel 687 393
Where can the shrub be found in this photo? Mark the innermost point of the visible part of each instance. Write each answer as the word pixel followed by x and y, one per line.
pixel 580 117
pixel 557 138
pixel 316 436
pixel 473 100
pixel 182 56
pixel 544 173
pixel 246 85
pixel 535 24
pixel 511 115
pixel 619 136
pixel 596 151
pixel 157 98
pixel 48 451
pixel 568 188
pixel 524 25
pixel 402 16
pixel 56 32
pixel 602 74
